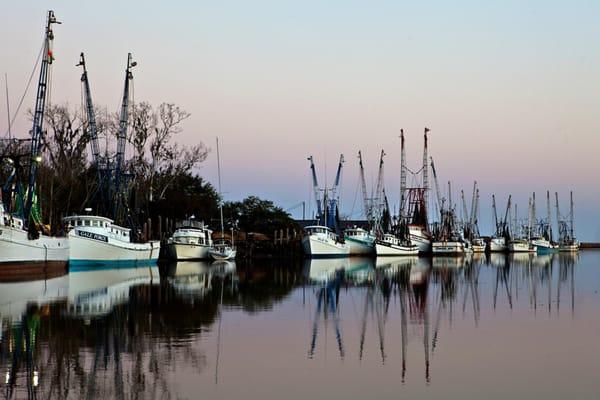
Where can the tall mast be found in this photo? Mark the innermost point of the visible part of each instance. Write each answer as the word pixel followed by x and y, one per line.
pixel 363 184
pixel 473 204
pixel 7 106
pixel 495 212
pixel 571 217
pixel 425 172
pixel 38 116
pixel 379 195
pixel 450 205
pixel 508 216
pixel 558 220
pixel 89 108
pixel 438 193
pixel 402 175
pixel 122 134
pixel 220 193
pixel 549 216
pixel 338 177
pixel 315 187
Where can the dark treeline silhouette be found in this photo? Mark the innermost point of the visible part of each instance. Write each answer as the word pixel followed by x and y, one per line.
pixel 162 174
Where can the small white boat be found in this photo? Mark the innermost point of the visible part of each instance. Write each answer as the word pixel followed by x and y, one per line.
pixel 498 244
pixel 360 242
pixel 96 241
pixel 390 245
pixel 320 241
pixel 191 240
pixel 478 245
pixel 222 250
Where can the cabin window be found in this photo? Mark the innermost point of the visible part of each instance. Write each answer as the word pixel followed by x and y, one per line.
pixel 94 223
pixel 87 222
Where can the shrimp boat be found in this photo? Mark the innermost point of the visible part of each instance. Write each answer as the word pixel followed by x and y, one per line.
pixel 222 249
pixel 360 241
pixel 390 245
pixel 322 239
pixel 97 242
pixel 23 237
pixel 567 241
pixel 191 240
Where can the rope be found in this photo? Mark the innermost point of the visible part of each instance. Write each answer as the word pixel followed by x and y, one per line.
pixel 12 121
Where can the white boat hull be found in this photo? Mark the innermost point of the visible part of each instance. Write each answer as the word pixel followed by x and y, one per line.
pixel 315 246
pixel 388 249
pixel 518 247
pixel 568 247
pixel 358 247
pixel 498 245
pixel 448 248
pixel 15 247
pixel 183 251
pixel 88 252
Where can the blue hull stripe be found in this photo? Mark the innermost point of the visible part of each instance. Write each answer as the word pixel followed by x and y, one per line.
pixel 86 265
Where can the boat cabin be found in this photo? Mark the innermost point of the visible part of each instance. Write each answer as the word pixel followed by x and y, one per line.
pixel 97 225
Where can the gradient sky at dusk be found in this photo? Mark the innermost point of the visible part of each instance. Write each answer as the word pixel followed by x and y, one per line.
pixel 510 90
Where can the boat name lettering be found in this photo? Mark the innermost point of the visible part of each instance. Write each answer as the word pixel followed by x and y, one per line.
pixel 91 235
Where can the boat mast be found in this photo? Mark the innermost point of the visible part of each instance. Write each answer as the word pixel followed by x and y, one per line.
pixel 495 212
pixel 38 116
pixel 122 137
pixel 425 177
pixel 549 216
pixel 402 175
pixel 363 184
pixel 315 187
pixel 220 193
pixel 571 217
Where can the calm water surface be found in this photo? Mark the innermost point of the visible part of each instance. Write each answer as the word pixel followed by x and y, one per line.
pixel 494 328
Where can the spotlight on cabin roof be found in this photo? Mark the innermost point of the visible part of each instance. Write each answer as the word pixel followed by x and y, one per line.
pixel 88 210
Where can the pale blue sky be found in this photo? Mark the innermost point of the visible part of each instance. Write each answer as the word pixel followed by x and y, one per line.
pixel 510 89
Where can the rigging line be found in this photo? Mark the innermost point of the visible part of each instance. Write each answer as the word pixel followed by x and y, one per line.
pixel 12 121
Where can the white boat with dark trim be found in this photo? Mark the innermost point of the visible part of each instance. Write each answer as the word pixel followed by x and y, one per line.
pixel 390 245
pixel 17 248
pixel 191 240
pixel 96 241
pixel 454 247
pixel 360 241
pixel 320 241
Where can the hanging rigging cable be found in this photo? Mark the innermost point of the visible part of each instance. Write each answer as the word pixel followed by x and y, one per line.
pixel 37 62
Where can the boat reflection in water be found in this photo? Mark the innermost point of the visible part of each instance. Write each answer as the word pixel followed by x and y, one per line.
pixel 124 332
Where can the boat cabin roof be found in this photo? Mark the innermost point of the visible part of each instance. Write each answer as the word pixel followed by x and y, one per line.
pixel 94 221
pixel 317 228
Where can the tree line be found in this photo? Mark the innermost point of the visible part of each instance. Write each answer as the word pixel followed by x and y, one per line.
pixel 162 173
